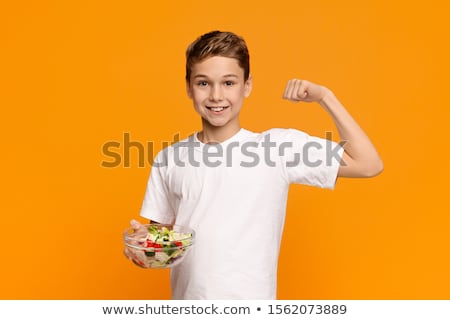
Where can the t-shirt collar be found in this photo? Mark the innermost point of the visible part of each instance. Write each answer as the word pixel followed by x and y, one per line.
pixel 238 136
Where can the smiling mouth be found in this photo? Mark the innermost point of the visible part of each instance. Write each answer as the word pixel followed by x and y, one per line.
pixel 216 109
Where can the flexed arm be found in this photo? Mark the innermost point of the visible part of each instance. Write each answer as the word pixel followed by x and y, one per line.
pixel 360 158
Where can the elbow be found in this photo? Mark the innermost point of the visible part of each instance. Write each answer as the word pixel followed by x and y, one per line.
pixel 374 169
pixel 362 168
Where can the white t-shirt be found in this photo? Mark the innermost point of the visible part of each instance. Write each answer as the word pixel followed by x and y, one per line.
pixel 233 195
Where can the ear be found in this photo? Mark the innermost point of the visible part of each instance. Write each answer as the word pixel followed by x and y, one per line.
pixel 248 86
pixel 188 90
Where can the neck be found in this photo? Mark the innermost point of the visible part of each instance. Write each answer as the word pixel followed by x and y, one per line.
pixel 211 134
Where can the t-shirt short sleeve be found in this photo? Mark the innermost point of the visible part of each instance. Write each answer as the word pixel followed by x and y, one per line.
pixel 308 160
pixel 157 204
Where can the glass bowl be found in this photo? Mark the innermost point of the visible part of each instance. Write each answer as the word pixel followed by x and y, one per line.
pixel 157 246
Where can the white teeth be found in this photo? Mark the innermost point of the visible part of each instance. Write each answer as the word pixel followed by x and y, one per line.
pixel 217 109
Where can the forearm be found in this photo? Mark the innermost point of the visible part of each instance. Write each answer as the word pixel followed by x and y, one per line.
pixel 360 157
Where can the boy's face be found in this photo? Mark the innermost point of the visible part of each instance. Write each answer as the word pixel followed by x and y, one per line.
pixel 218 89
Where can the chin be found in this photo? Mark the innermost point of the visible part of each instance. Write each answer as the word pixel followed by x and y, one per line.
pixel 217 124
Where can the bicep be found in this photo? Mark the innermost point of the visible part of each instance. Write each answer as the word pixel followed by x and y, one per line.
pixel 349 168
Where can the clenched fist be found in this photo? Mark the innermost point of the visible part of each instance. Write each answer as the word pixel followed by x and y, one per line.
pixel 301 90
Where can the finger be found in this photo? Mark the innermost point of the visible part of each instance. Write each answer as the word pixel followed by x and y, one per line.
pixel 291 90
pixel 135 224
pixel 127 253
pixel 296 94
pixel 286 90
pixel 303 90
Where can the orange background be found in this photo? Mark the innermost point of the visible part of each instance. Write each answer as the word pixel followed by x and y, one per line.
pixel 78 74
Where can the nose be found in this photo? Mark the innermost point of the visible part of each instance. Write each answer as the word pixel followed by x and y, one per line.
pixel 216 94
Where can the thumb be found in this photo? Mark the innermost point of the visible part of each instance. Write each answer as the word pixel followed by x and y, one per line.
pixel 135 224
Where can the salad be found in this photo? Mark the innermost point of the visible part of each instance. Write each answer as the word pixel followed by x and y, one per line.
pixel 157 246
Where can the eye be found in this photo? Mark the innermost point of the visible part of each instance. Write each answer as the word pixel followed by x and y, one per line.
pixel 202 83
pixel 229 83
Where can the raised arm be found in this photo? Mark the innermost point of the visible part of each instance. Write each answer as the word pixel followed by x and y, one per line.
pixel 360 158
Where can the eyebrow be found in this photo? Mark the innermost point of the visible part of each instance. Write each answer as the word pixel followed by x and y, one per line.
pixel 225 76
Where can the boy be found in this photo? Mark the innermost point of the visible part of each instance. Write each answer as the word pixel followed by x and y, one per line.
pixel 230 185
